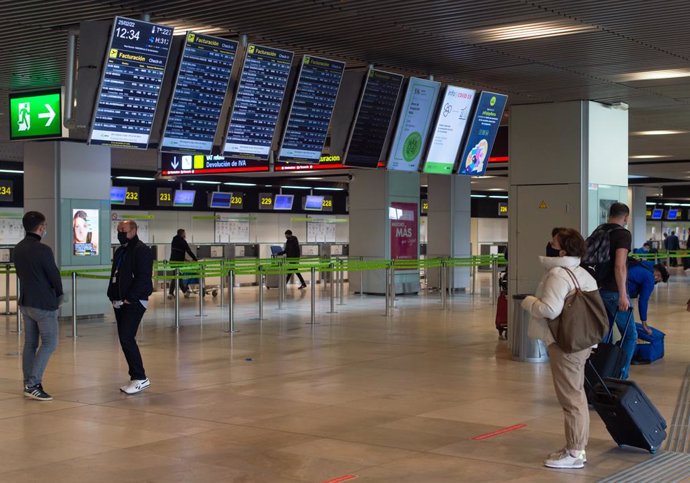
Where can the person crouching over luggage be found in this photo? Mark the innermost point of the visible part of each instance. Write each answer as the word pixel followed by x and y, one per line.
pixel 567 369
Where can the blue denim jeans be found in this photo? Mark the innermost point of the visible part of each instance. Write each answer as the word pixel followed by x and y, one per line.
pixel 629 342
pixel 43 323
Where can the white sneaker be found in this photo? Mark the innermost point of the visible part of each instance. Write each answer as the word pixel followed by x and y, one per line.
pixel 187 294
pixel 135 386
pixel 565 460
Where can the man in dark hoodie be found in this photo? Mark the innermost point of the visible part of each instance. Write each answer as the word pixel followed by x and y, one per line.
pixel 129 290
pixel 39 301
pixel 179 249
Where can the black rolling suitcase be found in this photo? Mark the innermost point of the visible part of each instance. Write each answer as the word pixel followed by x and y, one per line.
pixel 607 359
pixel 630 417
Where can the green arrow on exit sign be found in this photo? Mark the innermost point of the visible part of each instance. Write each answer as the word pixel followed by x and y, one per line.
pixel 35 114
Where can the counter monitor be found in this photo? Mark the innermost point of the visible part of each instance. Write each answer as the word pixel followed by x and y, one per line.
pixel 220 199
pixel 313 203
pixel 283 202
pixel 184 198
pixel 118 195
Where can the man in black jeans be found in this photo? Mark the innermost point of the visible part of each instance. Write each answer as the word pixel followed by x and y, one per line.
pixel 179 248
pixel 39 300
pixel 129 290
pixel 292 251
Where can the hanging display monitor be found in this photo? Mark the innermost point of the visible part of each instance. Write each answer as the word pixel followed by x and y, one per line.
pixel 449 131
pixel 311 110
pixel 85 232
pixel 283 202
pixel 482 133
pixel 313 203
pixel 257 104
pixel 118 195
pixel 202 81
pixel 373 118
pixel 181 164
pixel 164 197
pixel 220 200
pixel 413 124
pixel 184 198
pixel 131 82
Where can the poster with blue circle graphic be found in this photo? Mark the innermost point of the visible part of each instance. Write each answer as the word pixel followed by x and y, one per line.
pixel 482 134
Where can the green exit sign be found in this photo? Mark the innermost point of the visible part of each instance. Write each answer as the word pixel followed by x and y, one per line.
pixel 36 114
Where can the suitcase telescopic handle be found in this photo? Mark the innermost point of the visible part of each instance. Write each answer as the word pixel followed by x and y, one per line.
pixel 603 384
pixel 627 324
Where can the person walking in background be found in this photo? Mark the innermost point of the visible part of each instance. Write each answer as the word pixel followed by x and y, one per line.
pixel 567 369
pixel 292 252
pixel 672 244
pixel 179 249
pixel 129 290
pixel 39 300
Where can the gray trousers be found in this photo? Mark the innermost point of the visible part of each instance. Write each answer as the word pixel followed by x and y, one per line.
pixel 43 323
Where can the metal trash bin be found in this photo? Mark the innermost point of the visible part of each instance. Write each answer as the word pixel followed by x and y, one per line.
pixel 523 348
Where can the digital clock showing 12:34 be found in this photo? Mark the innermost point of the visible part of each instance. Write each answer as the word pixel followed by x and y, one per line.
pixel 6 190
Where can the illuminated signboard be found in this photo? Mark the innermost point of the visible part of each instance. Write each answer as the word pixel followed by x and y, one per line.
pixel 413 126
pixel 482 133
pixel 180 164
pixel 36 115
pixel 327 204
pixel 325 162
pixel 257 104
pixel 503 209
pixel 311 110
pixel 202 81
pixel 449 132
pixel 6 190
pixel 132 196
pixel 424 208
pixel 131 82
pixel 266 201
pixel 164 197
pixel 373 118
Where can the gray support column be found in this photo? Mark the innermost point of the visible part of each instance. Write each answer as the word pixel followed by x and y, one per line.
pixel 449 227
pixel 568 162
pixel 371 195
pixel 638 220
pixel 59 178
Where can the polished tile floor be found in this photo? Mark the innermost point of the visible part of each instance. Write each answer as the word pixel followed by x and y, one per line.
pixel 357 396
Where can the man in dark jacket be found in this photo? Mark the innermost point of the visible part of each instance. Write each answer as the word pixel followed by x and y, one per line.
pixel 671 243
pixel 39 300
pixel 129 290
pixel 179 248
pixel 292 251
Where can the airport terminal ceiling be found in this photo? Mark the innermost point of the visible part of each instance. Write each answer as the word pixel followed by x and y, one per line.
pixel 537 51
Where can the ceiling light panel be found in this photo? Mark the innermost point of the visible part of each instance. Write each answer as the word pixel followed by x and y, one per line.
pixel 529 31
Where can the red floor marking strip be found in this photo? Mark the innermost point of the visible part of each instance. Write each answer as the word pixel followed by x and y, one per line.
pixel 341 478
pixel 499 432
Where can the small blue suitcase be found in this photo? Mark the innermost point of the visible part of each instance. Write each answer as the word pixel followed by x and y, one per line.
pixel 649 347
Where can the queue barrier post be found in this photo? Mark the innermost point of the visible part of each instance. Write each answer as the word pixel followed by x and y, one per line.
pixel 177 299
pixel 231 303
pixel 19 312
pixel 341 278
pixel 7 290
pixel 74 305
pixel 494 279
pixel 312 283
pixel 261 293
pixel 442 270
pixel 332 294
pixel 281 286
pixel 222 282
pixel 361 278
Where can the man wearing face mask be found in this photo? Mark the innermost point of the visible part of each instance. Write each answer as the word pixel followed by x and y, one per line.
pixel 129 290
pixel 39 301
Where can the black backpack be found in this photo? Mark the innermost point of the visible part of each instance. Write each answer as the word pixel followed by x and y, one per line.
pixel 597 259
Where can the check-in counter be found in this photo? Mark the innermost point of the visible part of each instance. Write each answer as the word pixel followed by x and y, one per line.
pixel 236 251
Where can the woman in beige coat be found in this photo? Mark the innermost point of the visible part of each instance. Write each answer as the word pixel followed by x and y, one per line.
pixel 568 369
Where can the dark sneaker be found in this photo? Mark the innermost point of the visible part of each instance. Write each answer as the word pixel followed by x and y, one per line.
pixel 302 286
pixel 37 392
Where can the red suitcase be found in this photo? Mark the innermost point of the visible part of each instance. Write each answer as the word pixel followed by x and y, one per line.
pixel 502 315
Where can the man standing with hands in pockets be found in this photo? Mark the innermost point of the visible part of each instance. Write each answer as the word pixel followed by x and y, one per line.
pixel 129 289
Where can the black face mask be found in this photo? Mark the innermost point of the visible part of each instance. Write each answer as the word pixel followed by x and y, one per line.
pixel 551 251
pixel 122 237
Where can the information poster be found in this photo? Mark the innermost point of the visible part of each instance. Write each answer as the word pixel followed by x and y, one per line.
pixel 131 83
pixel 404 230
pixel 482 134
pixel 449 132
pixel 200 87
pixel 85 233
pixel 413 125
pixel 257 105
pixel 311 110
pixel 373 118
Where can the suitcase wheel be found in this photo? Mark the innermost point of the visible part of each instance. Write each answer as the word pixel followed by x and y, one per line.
pixel 214 293
pixel 652 450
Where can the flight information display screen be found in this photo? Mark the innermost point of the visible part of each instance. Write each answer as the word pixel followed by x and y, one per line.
pixel 449 132
pixel 260 95
pixel 413 126
pixel 130 84
pixel 373 118
pixel 482 134
pixel 311 110
pixel 202 81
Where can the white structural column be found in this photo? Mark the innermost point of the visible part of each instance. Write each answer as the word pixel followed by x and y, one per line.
pixel 61 178
pixel 449 226
pixel 638 220
pixel 372 193
pixel 568 163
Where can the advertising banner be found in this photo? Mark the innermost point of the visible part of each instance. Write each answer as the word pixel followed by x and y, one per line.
pixel 404 230
pixel 85 232
pixel 482 133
